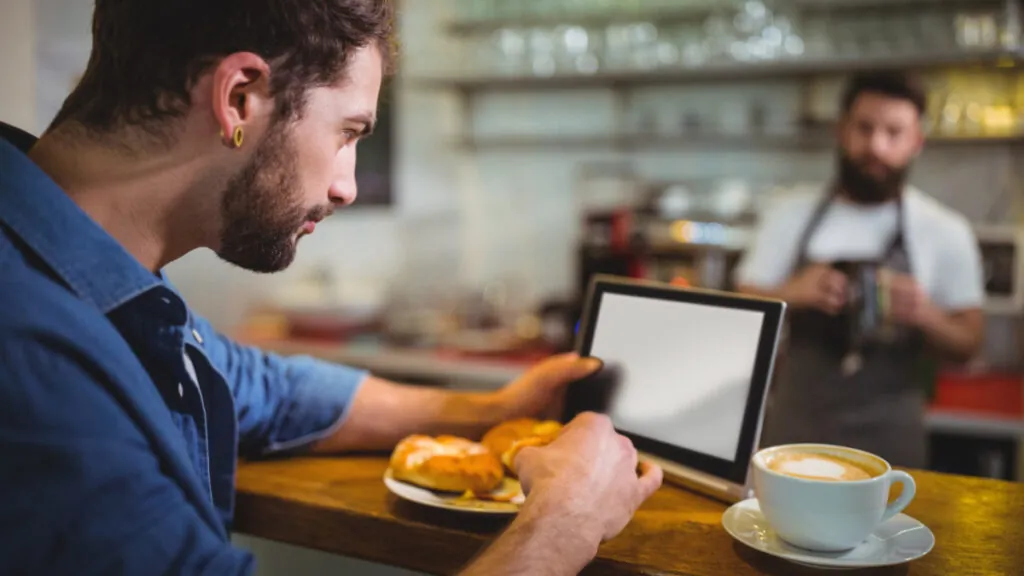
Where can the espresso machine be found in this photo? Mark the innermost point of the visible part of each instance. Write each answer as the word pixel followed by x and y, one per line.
pixel 688 232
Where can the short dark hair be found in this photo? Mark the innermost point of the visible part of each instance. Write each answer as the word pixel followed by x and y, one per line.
pixel 147 54
pixel 896 84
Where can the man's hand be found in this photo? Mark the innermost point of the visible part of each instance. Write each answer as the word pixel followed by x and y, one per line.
pixel 817 286
pixel 384 412
pixel 589 472
pixel 957 335
pixel 539 391
pixel 582 489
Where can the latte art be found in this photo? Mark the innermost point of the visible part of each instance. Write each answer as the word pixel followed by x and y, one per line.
pixel 814 467
pixel 817 467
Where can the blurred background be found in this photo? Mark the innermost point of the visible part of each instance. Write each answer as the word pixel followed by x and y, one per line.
pixel 525 145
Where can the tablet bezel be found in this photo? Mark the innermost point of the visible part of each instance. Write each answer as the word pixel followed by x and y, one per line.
pixel 773 310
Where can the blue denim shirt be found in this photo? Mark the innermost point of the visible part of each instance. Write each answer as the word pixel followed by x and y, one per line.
pixel 121 411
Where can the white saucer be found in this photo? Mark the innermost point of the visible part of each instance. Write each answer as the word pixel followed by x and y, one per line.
pixel 901 539
pixel 453 501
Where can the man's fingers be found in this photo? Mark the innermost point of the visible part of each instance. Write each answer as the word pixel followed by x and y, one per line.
pixel 650 479
pixel 564 368
pixel 523 457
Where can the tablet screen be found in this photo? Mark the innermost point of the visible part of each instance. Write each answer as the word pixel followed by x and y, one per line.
pixel 682 370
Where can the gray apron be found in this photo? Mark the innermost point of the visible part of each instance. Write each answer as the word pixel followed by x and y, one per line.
pixel 878 406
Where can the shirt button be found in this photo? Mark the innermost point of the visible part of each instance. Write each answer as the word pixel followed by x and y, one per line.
pixel 181 390
pixel 198 338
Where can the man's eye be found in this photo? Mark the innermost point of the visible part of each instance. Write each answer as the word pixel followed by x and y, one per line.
pixel 350 136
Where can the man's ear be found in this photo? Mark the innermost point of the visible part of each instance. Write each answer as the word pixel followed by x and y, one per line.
pixel 240 95
pixel 921 138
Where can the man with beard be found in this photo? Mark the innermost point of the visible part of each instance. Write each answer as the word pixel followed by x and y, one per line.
pixel 881 280
pixel 230 125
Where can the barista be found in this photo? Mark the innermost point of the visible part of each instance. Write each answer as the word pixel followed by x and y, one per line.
pixel 880 278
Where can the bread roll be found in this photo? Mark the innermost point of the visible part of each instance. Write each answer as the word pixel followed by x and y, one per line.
pixel 506 439
pixel 446 463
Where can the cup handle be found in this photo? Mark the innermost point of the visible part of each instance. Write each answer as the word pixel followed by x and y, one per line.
pixel 909 490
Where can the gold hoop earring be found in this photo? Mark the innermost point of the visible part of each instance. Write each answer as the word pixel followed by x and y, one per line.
pixel 237 137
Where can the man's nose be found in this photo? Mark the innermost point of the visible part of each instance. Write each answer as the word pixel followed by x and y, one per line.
pixel 343 190
pixel 879 143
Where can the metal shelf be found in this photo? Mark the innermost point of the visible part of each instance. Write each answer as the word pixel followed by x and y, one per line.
pixel 808 141
pixel 668 17
pixel 468 27
pixel 795 68
pixel 836 5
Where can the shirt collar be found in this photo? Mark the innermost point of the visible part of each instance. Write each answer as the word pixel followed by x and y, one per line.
pixel 94 265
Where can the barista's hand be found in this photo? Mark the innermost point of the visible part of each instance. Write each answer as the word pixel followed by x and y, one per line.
pixel 589 474
pixel 817 286
pixel 908 302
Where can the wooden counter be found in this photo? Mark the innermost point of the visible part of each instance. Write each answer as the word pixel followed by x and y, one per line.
pixel 341 505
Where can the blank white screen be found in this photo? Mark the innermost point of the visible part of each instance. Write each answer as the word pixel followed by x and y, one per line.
pixel 685 369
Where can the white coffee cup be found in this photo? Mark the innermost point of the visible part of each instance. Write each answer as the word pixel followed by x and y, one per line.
pixel 814 509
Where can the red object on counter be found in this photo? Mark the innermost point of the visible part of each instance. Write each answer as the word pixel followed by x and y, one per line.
pixel 622 229
pixel 1001 394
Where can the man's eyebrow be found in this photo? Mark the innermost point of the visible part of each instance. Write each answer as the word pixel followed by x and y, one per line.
pixel 368 120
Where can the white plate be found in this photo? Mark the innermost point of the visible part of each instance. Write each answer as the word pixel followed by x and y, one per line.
pixel 453 501
pixel 901 539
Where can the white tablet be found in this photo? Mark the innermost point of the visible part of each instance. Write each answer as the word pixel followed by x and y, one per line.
pixel 685 378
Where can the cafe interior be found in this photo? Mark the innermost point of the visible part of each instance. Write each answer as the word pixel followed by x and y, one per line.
pixel 524 147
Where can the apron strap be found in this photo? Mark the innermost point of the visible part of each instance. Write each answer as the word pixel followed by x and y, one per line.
pixel 898 243
pixel 812 225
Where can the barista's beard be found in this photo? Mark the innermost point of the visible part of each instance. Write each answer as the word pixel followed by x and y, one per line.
pixel 865 188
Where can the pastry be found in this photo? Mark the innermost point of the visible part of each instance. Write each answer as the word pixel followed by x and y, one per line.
pixel 506 439
pixel 446 463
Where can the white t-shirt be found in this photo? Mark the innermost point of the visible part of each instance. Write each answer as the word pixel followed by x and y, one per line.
pixel 944 253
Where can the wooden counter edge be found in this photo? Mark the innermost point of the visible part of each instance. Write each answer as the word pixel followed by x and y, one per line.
pixel 427 548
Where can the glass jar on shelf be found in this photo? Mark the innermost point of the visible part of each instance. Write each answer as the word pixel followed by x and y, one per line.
pixel 952 119
pixel 718 36
pixel 576 50
pixel 504 52
pixel 1010 32
pixel 693 51
pixel 541 47
pixel 976 31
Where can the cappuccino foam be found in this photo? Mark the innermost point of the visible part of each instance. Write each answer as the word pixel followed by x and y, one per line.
pixel 818 467
pixel 813 467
